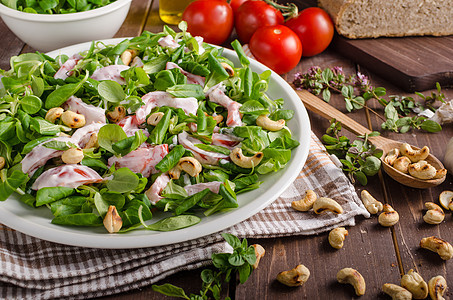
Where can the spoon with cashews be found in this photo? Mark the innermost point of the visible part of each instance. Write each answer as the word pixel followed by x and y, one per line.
pixel 424 170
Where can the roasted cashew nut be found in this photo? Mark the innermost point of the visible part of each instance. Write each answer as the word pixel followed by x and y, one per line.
pixel 354 278
pixel 391 156
pixel 268 124
pixel 414 283
pixel 446 199
pixel 396 292
pixel 174 173
pixel 402 164
pixel 128 55
pixel 337 237
pixel 92 142
pixel 112 220
pixel 228 69
pixel 118 113
pixel 422 170
pixel 259 253
pixel 155 118
pixel 437 287
pixel 72 156
pixel 295 277
pixel 371 204
pixel 389 216
pixel 72 119
pixel 2 162
pixel 306 203
pixel 245 161
pixel 440 173
pixel 187 164
pixel 326 204
pixel 414 155
pixel 53 114
pixel 434 215
pixel 441 247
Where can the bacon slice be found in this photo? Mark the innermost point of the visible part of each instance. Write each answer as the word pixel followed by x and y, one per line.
pixel 168 42
pixel 153 193
pixel 38 157
pixel 234 116
pixel 130 126
pixel 91 113
pixel 158 99
pixel 191 78
pixel 226 140
pixel 112 72
pixel 68 176
pixel 66 69
pixel 204 157
pixel 82 135
pixel 142 160
pixel 213 186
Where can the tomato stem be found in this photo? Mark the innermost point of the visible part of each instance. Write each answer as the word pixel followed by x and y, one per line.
pixel 288 11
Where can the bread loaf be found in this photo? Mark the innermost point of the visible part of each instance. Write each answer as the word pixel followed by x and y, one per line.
pixel 391 18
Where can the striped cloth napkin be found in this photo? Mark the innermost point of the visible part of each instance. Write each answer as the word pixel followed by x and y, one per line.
pixel 31 268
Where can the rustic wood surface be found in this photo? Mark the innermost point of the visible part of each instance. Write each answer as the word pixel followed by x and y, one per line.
pixel 380 254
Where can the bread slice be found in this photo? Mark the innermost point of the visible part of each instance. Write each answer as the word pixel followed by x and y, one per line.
pixel 375 18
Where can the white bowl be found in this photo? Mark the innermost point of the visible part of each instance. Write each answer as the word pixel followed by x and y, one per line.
pixel 45 32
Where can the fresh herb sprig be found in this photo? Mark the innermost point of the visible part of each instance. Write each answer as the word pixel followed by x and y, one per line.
pixel 359 158
pixel 357 90
pixel 228 265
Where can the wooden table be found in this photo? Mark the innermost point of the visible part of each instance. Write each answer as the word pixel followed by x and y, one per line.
pixel 380 254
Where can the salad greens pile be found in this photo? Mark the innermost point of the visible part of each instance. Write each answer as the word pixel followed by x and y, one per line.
pixel 30 90
pixel 55 6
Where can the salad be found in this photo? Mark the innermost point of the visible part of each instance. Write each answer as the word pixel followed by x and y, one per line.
pixel 160 122
pixel 55 6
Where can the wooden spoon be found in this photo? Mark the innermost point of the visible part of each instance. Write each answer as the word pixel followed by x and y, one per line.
pixel 325 110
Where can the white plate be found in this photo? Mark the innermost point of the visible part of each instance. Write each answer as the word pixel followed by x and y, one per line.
pixel 36 222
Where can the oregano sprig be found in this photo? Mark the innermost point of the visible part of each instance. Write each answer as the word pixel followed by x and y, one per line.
pixel 357 90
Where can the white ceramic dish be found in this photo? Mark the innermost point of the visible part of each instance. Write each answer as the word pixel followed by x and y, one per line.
pixel 45 32
pixel 36 222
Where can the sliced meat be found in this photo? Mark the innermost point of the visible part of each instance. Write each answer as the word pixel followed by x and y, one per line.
pixel 153 193
pixel 168 42
pixel 226 140
pixel 191 78
pixel 234 117
pixel 91 113
pixel 112 72
pixel 82 135
pixel 142 160
pixel 130 126
pixel 204 157
pixel 66 69
pixel 70 176
pixel 213 186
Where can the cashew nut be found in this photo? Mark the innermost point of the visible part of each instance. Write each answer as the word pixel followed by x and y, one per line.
pixel 188 164
pixel 389 216
pixel 72 119
pixel 53 114
pixel 414 283
pixel 414 155
pixel 326 204
pixel 118 113
pixel 396 292
pixel 422 170
pixel 434 215
pixel 92 142
pixel 259 253
pixel 295 277
pixel 402 164
pixel 2 162
pixel 436 287
pixel 245 161
pixel 354 278
pixel 72 156
pixel 112 220
pixel 228 69
pixel 127 55
pixel 155 118
pixel 371 204
pixel 440 173
pixel 441 247
pixel 337 237
pixel 446 199
pixel 306 203
pixel 175 172
pixel 268 124
pixel 391 156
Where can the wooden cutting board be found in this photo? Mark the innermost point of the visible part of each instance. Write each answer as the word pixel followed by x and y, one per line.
pixel 411 63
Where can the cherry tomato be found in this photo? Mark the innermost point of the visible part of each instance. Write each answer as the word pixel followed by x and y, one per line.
pixel 278 47
pixel 253 14
pixel 211 19
pixel 235 5
pixel 314 28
